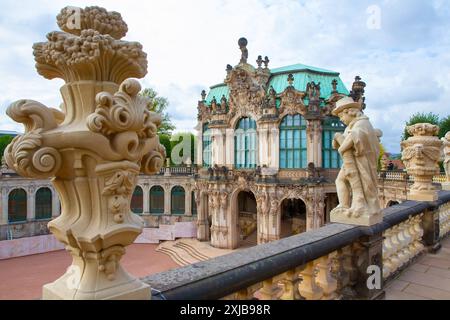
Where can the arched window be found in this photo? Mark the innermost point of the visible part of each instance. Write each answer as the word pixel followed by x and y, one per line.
pixel 177 200
pixel 157 200
pixel 194 204
pixel 43 203
pixel 17 206
pixel 137 200
pixel 293 142
pixel 245 145
pixel 330 157
pixel 206 146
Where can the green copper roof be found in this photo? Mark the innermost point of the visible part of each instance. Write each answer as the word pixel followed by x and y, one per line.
pixel 301 67
pixel 302 75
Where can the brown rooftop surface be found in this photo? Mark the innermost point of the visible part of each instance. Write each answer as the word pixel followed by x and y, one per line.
pixel 23 277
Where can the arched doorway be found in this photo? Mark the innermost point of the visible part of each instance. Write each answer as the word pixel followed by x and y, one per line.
pixel 137 201
pixel 247 218
pixel 17 206
pixel 392 203
pixel 156 200
pixel 177 204
pixel 43 204
pixel 293 217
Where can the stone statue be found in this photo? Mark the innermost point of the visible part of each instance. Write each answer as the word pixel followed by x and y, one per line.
pixel 446 142
pixel 242 42
pixel 421 154
pixel 93 149
pixel 357 181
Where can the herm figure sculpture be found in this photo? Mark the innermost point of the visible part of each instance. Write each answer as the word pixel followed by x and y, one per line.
pixel 356 184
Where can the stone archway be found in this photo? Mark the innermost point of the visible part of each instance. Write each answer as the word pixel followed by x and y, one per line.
pixel 293 217
pixel 247 221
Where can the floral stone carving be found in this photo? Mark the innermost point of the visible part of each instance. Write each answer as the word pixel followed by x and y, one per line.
pixel 420 154
pixel 446 143
pixel 94 150
pixel 357 181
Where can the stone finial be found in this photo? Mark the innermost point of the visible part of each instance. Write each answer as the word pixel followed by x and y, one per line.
pixel 420 154
pixel 357 92
pixel 242 42
pixel 266 61
pixel 290 79
pixel 446 145
pixel 356 183
pixel 203 94
pixel 259 61
pixel 334 84
pixel 88 50
pixel 94 149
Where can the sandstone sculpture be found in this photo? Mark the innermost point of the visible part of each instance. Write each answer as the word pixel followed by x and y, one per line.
pixel 356 183
pixel 420 154
pixel 93 149
pixel 446 143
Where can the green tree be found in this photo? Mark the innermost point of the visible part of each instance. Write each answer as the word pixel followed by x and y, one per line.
pixel 444 126
pixel 420 117
pixel 4 141
pixel 187 141
pixel 380 155
pixel 164 139
pixel 159 105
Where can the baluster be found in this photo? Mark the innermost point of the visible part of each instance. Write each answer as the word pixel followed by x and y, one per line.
pixel 267 290
pixel 418 230
pixel 388 250
pixel 341 275
pixel 324 278
pixel 290 286
pixel 308 287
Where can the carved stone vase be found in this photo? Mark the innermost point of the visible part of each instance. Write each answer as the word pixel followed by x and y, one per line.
pixel 93 150
pixel 420 154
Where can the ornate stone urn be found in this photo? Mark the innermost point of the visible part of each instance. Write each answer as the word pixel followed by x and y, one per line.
pixel 421 154
pixel 93 150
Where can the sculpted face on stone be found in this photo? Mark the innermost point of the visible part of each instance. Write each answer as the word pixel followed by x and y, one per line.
pixel 93 149
pixel 356 183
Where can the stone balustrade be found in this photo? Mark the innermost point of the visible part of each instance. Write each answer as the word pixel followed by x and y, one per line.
pixel 328 263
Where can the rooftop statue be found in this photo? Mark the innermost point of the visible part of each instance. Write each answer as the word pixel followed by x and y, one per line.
pixel 93 149
pixel 356 184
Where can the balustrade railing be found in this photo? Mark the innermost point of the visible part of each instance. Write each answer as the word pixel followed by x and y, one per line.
pixel 178 170
pixel 400 175
pixel 332 262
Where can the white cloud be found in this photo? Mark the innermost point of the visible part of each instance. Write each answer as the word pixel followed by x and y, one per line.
pixel 406 63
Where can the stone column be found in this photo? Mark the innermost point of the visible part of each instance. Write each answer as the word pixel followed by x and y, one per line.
pixel 202 215
pixel 274 148
pixel 167 198
pixel 314 141
pixel 199 150
pixel 4 216
pixel 31 205
pixel 55 204
pixel 421 155
pixel 146 198
pixel 229 148
pixel 369 281
pixel 263 144
pixel 93 150
pixel 188 202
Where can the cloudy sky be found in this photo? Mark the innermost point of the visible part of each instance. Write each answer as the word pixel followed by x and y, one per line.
pixel 401 49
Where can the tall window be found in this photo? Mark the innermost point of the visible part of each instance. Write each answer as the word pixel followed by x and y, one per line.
pixel 206 146
pixel 194 204
pixel 43 203
pixel 177 200
pixel 330 157
pixel 293 142
pixel 245 145
pixel 137 200
pixel 17 206
pixel 157 200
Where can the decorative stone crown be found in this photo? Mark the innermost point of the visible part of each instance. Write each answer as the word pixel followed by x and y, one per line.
pixel 94 51
pixel 423 129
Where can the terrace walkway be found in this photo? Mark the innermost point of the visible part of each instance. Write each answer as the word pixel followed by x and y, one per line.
pixel 427 278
